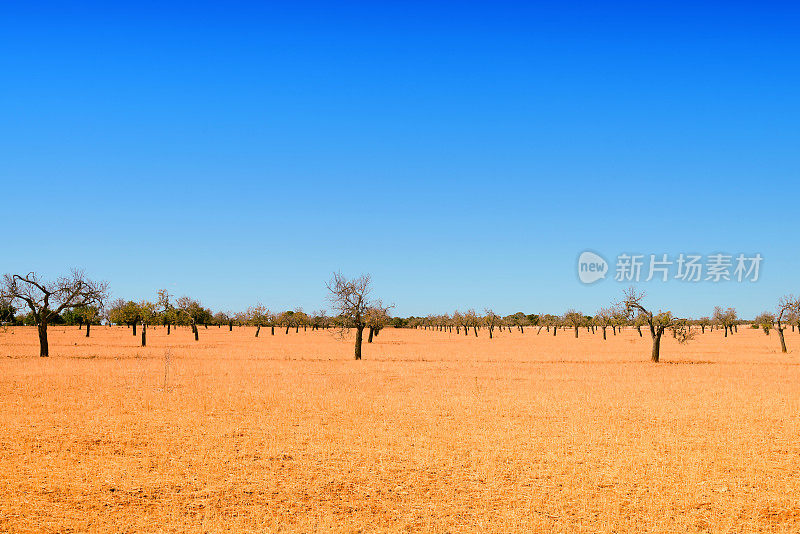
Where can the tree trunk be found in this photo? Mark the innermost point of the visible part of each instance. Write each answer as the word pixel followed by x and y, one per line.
pixel 475 328
pixel 576 331
pixel 273 329
pixel 287 330
pixel 783 341
pixel 656 348
pixel 196 333
pixel 554 331
pixel 702 329
pixel 371 333
pixel 230 326
pixel 359 339
pixel 490 332
pixel 168 328
pixel 134 328
pixel 44 348
pixel 258 330
pixel 604 332
pixel 88 326
pixel 144 335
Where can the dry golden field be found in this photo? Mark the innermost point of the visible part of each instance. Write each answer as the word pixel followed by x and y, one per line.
pixel 431 432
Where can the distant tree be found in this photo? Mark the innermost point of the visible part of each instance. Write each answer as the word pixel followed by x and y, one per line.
pixel 491 320
pixel 285 320
pixel 350 297
pixel 377 317
pixel 619 319
pixel 193 312
pixel 47 299
pixel 573 319
pixel 764 321
pixel 258 316
pixel 147 314
pixel 319 319
pixel 517 320
pixel 472 320
pixel 638 322
pixel 299 318
pixel 547 321
pixel 725 318
pixel 793 318
pixel 458 320
pixel 7 312
pixel 88 315
pixel 704 322
pixel 603 318
pixel 632 303
pixel 787 306
pixel 166 311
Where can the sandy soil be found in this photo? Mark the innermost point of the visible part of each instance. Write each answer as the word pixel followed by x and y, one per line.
pixel 431 432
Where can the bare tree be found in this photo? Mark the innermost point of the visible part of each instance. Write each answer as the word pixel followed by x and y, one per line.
pixel 787 306
pixel 491 320
pixel 351 299
pixel 603 318
pixel 258 316
pixel 658 322
pixel 47 299
pixel 377 317
pixel 574 319
pixel 472 320
pixel 725 318
pixel 193 312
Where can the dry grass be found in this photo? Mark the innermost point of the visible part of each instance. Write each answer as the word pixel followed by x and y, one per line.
pixel 432 432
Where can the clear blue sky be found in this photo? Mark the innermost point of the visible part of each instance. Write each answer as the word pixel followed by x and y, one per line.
pixel 462 153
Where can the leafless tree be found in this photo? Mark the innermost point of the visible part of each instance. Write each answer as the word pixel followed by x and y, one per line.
pixel 603 318
pixel 258 316
pixel 350 297
pixel 457 319
pixel 491 320
pixel 574 319
pixel 787 306
pixel 377 317
pixel 472 320
pixel 725 318
pixel 633 305
pixel 47 299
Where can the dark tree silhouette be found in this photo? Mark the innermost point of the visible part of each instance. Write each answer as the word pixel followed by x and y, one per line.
pixel 351 299
pixel 47 299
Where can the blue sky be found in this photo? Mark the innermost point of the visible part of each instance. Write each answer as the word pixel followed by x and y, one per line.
pixel 463 153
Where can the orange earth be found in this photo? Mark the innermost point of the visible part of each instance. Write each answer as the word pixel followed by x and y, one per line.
pixel 431 432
